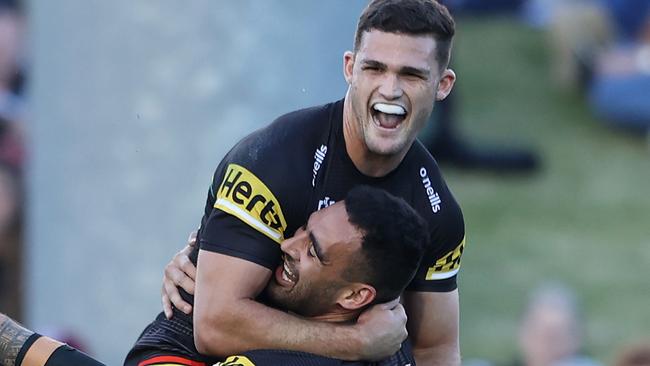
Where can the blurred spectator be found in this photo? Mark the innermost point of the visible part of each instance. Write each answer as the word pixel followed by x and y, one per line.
pixel 10 241
pixel 603 46
pixel 11 76
pixel 620 89
pixel 637 354
pixel 446 143
pixel 551 329
pixel 11 157
pixel 579 30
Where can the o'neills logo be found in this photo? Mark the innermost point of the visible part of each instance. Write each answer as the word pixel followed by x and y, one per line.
pixel 319 157
pixel 244 196
pixel 434 198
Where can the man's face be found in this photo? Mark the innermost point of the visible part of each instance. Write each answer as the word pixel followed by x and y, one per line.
pixel 309 281
pixel 394 80
pixel 548 335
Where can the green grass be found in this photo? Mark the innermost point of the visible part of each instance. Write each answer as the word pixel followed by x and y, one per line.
pixel 584 219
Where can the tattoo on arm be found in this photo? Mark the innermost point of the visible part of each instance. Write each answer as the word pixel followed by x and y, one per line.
pixel 12 338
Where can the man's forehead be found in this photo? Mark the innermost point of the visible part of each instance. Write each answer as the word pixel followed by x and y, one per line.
pixel 400 46
pixel 331 225
pixel 330 215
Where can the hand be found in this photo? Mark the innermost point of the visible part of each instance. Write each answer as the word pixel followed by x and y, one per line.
pixel 382 329
pixel 182 273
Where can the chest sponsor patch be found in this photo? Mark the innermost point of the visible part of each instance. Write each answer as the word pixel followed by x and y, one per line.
pixel 236 361
pixel 447 266
pixel 246 197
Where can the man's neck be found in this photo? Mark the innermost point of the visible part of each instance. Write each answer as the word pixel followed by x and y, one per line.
pixel 367 162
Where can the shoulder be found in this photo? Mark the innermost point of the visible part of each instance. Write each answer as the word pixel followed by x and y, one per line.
pixel 284 138
pixel 265 177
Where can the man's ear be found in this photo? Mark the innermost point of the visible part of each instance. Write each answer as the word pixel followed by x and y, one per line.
pixel 348 65
pixel 356 296
pixel 446 83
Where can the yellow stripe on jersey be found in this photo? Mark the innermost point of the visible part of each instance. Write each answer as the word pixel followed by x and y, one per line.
pixel 246 197
pixel 236 361
pixel 448 265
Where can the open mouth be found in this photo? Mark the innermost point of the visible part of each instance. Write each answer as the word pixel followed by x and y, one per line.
pixel 388 116
pixel 285 275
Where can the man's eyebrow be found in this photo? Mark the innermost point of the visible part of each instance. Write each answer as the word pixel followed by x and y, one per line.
pixel 373 63
pixel 414 70
pixel 404 70
pixel 317 248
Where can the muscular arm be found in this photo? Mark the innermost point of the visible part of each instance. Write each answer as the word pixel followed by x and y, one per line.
pixel 39 351
pixel 12 338
pixel 228 320
pixel 433 327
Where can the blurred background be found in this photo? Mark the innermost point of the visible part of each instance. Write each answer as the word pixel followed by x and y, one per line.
pixel 113 116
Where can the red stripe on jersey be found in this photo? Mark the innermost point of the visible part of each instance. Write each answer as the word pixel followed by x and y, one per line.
pixel 170 359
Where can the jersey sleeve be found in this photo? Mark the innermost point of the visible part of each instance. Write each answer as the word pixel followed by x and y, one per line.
pixel 245 217
pixel 441 262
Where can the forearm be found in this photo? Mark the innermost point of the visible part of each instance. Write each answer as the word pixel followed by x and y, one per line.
pixel 247 325
pixel 434 327
pixel 12 339
pixel 443 355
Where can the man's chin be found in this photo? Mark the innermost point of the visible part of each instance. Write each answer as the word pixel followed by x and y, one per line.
pixel 384 147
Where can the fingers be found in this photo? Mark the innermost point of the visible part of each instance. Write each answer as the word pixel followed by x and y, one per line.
pixel 166 304
pixel 191 240
pixel 400 313
pixel 170 292
pixel 180 272
pixel 183 262
pixel 391 304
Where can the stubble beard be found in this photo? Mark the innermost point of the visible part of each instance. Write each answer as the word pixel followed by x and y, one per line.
pixel 305 300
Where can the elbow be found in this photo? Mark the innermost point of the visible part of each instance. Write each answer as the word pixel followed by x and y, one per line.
pixel 203 340
pixel 211 337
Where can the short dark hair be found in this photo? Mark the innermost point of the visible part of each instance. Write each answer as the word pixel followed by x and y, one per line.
pixel 413 17
pixel 394 236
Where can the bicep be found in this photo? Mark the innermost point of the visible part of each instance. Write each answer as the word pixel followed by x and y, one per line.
pixel 433 318
pixel 222 279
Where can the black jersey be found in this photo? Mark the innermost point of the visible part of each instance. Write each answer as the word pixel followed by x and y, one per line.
pixel 272 180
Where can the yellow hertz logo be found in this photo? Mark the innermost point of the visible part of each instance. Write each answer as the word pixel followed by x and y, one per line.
pixel 448 265
pixel 236 361
pixel 244 196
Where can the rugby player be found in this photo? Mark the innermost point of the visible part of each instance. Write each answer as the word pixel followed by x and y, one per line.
pixel 332 269
pixel 272 180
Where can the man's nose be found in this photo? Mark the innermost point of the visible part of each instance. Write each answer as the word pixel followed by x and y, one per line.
pixel 390 87
pixel 291 247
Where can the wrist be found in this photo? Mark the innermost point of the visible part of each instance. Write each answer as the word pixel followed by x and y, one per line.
pixel 360 343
